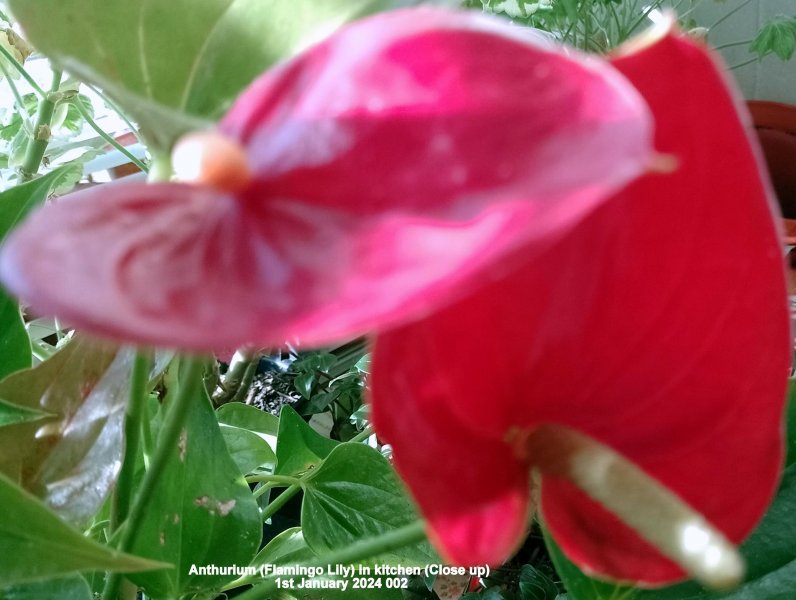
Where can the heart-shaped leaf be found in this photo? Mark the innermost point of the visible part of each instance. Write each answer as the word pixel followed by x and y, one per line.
pixel 247 449
pixel 355 494
pixel 299 447
pixel 36 544
pixel 177 65
pixel 201 512
pixel 71 459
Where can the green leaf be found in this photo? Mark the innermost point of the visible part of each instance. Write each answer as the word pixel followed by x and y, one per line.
pixel 778 36
pixel 128 49
pixel 247 449
pixel 579 586
pixel 287 548
pixel 11 414
pixel 202 512
pixel 36 544
pixel 66 588
pixel 237 414
pixel 355 494
pixel 299 447
pixel 790 440
pixel 770 555
pixel 536 585
pixel 71 459
pixel 290 548
pixel 15 204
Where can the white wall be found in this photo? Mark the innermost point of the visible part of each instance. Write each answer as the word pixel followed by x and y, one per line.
pixel 771 79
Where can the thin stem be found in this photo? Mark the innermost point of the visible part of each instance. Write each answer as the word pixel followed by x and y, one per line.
pixel 744 63
pixel 161 167
pixel 24 114
pixel 246 382
pixel 168 444
pixel 22 71
pixel 41 130
pixel 132 432
pixel 264 488
pixel 729 14
pixel 107 137
pixel 268 478
pixel 282 499
pixel 732 44
pixel 117 109
pixel 362 435
pixel 411 534
pixel 147 443
pixel 236 376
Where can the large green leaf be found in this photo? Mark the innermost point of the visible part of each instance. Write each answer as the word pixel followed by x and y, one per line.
pixel 237 414
pixel 65 588
pixel 174 65
pixel 36 544
pixel 15 204
pixel 70 459
pixel 290 548
pixel 299 447
pixel 247 449
pixel 201 512
pixel 355 494
pixel 770 553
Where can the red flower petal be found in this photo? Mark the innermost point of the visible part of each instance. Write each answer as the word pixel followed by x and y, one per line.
pixel 659 327
pixel 390 163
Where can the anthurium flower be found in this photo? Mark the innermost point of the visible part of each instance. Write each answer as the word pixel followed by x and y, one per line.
pixel 357 185
pixel 630 375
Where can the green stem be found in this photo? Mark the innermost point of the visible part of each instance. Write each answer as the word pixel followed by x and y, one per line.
pixel 41 130
pixel 132 433
pixel 238 377
pixel 280 501
pixel 362 435
pixel 117 109
pixel 22 71
pixel 168 444
pixel 744 63
pixel 733 44
pixel 146 433
pixel 273 479
pixel 411 534
pixel 107 137
pixel 160 168
pixel 729 14
pixel 248 377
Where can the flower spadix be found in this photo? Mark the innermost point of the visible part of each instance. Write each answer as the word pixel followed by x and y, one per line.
pixel 357 185
pixel 631 375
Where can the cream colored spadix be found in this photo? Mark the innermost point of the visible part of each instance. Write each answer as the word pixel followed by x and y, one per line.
pixel 659 516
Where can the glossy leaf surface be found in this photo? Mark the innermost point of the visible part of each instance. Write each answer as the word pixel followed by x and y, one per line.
pixel 200 503
pixel 67 588
pixel 36 544
pixel 344 504
pixel 70 459
pixel 299 447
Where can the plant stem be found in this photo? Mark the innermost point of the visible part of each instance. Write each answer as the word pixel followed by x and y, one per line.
pixel 744 63
pixel 362 435
pixel 168 444
pixel 24 114
pixel 729 14
pixel 408 535
pixel 733 44
pixel 132 433
pixel 107 137
pixel 280 501
pixel 41 130
pixel 273 479
pixel 160 169
pixel 22 71
pixel 109 101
